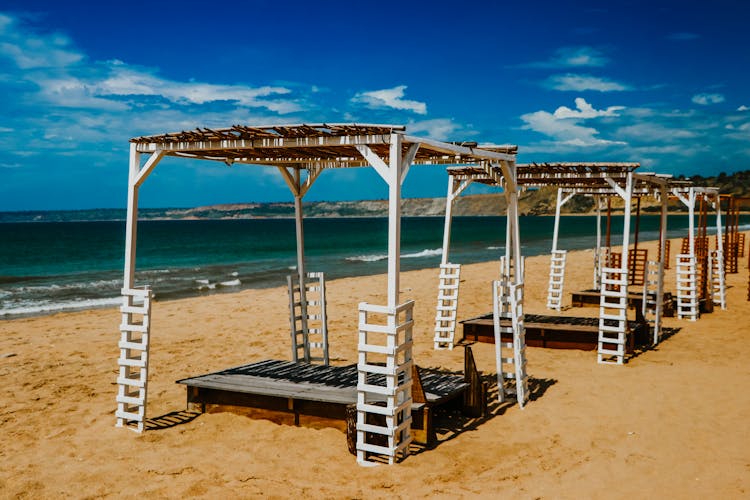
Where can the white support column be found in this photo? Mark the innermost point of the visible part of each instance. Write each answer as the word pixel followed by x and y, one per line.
pixel 135 321
pixel 394 221
pixel 301 271
pixel 392 358
pixel 687 271
pixel 513 289
pixel 598 250
pixel 613 327
pixel 557 258
pixel 449 279
pixel 719 292
pixel 661 265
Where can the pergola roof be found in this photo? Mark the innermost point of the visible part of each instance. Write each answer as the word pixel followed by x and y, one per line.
pixel 314 146
pixel 578 177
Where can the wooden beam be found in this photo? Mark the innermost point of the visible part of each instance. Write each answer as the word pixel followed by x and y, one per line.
pixel 375 161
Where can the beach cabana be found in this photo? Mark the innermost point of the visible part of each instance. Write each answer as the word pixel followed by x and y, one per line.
pixel 600 180
pixel 507 291
pixel 699 270
pixel 300 153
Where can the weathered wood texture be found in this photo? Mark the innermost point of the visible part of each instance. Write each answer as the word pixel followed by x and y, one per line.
pixel 553 332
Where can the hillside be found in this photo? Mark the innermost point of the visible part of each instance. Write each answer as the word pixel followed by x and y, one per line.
pixel 536 202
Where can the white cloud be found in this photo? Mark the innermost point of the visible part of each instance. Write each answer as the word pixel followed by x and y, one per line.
pixel 564 124
pixel 706 99
pixel 572 57
pixel 390 98
pixel 581 83
pixel 743 108
pixel 66 78
pixel 654 132
pixel 585 110
pixel 442 129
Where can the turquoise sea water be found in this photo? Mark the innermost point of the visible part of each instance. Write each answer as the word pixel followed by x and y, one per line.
pixel 53 266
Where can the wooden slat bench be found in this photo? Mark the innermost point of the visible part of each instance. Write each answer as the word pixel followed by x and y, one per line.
pixel 326 391
pixel 592 298
pixel 555 332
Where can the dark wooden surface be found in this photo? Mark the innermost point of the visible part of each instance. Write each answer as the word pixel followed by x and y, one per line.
pixel 591 298
pixel 330 384
pixel 555 332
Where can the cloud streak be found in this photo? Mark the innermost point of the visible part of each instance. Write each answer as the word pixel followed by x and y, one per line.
pixel 707 99
pixel 580 83
pixel 392 98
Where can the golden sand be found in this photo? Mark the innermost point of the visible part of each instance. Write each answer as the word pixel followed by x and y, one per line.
pixel 673 422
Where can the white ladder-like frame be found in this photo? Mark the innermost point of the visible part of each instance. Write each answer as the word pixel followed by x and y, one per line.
pixel 716 279
pixel 652 304
pixel 384 380
pixel 687 290
pixel 556 279
pixel 612 316
pixel 308 318
pixel 447 305
pixel 601 259
pixel 507 301
pixel 132 378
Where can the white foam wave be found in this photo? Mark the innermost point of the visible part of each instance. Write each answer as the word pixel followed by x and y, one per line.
pixel 367 258
pixel 423 253
pixel 494 248
pixel 428 252
pixel 69 305
pixel 230 283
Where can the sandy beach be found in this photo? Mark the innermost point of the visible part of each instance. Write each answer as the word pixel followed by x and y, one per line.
pixel 673 422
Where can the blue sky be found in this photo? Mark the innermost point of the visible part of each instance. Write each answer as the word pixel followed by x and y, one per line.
pixel 666 84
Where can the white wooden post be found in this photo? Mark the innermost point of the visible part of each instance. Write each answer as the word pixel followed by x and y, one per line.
pixel 135 321
pixel 614 292
pixel 397 369
pixel 394 221
pixel 719 279
pixel 131 224
pixel 512 289
pixel 555 289
pixel 598 251
pixel 449 278
pixel 301 271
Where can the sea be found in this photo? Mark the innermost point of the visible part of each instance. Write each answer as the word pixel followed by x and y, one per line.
pixel 48 267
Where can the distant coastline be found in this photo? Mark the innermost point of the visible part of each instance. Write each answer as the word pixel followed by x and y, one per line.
pixel 471 205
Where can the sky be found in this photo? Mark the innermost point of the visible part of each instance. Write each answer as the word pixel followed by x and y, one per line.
pixel 663 83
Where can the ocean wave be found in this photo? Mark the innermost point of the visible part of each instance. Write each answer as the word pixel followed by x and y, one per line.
pixel 494 248
pixel 99 284
pixel 428 252
pixel 29 308
pixel 230 283
pixel 367 258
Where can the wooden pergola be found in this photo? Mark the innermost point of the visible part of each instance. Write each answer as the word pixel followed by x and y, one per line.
pixel 301 153
pixel 600 180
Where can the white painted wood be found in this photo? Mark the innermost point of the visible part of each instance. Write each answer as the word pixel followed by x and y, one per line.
pixel 507 303
pixel 612 316
pixel 376 162
pixel 390 346
pixel 653 297
pixel 407 160
pixel 597 250
pixel 556 286
pixel 447 306
pixel 394 220
pixel 309 324
pixel 148 167
pixel 132 377
pixel 687 291
pixel 716 279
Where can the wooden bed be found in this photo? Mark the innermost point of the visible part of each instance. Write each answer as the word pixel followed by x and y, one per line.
pixel 555 332
pixel 331 392
pixel 591 298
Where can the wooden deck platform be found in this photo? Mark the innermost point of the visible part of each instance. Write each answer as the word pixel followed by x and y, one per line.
pixel 591 298
pixel 316 390
pixel 554 332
